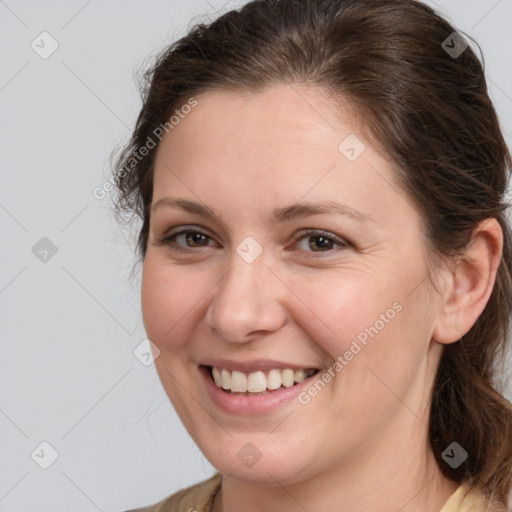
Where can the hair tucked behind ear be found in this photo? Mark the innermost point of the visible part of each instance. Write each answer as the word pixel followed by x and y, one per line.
pixel 431 113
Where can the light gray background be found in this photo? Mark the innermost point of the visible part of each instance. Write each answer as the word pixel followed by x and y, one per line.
pixel 68 375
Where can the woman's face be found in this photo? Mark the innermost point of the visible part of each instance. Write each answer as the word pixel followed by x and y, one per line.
pixel 253 290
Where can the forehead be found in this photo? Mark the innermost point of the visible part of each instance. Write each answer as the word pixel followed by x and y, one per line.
pixel 298 110
pixel 273 147
pixel 281 127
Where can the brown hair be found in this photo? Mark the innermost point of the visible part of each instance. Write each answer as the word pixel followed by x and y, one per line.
pixel 431 113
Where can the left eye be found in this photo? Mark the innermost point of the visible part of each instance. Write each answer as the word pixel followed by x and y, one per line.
pixel 318 241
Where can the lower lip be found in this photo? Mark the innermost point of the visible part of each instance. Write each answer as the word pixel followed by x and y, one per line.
pixel 251 405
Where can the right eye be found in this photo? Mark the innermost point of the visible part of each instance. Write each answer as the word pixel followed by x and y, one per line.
pixel 190 239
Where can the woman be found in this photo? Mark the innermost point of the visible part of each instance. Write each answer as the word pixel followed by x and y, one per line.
pixel 326 260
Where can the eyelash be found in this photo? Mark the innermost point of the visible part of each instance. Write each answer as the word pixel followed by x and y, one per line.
pixel 169 240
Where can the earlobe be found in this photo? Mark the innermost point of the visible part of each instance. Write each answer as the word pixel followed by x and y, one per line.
pixel 470 284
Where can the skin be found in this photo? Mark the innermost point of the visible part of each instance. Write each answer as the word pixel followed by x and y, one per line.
pixel 362 441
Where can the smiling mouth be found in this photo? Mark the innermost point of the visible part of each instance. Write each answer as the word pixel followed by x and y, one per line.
pixel 260 382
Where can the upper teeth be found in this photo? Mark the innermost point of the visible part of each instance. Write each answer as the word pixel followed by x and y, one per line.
pixel 259 381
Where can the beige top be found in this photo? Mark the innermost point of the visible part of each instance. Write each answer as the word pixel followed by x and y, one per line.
pixel 199 498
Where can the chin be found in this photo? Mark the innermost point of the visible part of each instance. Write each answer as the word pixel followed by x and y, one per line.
pixel 260 461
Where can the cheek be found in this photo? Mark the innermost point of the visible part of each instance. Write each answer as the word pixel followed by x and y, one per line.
pixel 382 346
pixel 370 323
pixel 169 298
pixel 348 311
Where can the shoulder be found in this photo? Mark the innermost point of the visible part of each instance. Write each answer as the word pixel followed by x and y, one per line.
pixel 196 498
pixel 467 500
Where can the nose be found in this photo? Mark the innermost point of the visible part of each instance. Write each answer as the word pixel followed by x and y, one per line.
pixel 248 301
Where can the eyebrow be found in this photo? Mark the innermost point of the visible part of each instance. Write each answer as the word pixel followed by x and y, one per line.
pixel 278 215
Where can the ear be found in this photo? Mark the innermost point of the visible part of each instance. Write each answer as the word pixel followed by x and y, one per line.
pixel 469 284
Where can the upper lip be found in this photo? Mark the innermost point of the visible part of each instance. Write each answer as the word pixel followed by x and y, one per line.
pixel 254 365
